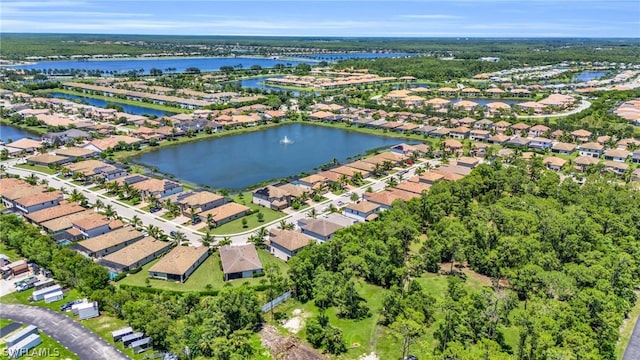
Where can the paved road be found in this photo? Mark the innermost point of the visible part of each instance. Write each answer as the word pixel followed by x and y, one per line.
pixel 632 352
pixel 66 331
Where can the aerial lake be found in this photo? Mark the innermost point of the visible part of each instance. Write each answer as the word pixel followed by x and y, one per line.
pixel 589 75
pixel 181 64
pixel 129 109
pixel 8 132
pixel 238 161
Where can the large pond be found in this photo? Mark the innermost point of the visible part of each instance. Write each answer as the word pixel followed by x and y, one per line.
pixel 129 109
pixel 236 162
pixel 589 75
pixel 9 133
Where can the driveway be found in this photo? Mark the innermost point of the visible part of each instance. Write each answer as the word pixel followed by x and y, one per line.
pixel 68 332
pixel 632 351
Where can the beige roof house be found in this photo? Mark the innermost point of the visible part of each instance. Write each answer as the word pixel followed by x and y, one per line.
pixel 239 261
pixel 179 263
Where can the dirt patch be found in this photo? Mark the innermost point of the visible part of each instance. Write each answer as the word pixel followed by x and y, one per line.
pixel 445 268
pixel 287 347
pixel 371 356
pixel 296 322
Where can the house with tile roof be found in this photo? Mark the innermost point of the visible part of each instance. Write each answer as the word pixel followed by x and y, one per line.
pixel 179 263
pixel 285 244
pixel 135 255
pixel 239 262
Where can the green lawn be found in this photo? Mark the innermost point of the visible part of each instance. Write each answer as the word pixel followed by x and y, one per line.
pixel 22 298
pixel 209 273
pixel 104 325
pixel 48 348
pixel 235 226
pixel 4 322
pixel 11 253
pixel 38 168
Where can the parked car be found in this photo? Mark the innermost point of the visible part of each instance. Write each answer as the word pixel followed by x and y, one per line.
pixel 154 209
pixel 67 306
pixel 196 221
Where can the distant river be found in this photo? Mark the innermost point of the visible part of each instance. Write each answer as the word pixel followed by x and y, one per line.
pixel 236 162
pixel 129 109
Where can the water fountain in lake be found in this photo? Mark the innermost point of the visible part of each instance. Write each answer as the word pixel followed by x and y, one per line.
pixel 286 140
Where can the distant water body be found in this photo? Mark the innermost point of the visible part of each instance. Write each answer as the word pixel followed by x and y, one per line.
pixel 181 64
pixel 129 109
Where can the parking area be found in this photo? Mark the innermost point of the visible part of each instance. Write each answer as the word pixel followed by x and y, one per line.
pixel 7 285
pixel 68 332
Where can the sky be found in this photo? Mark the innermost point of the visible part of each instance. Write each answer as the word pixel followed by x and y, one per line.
pixel 355 18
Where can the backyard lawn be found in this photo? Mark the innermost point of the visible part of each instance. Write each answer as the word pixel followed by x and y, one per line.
pixel 38 168
pixel 235 226
pixel 209 273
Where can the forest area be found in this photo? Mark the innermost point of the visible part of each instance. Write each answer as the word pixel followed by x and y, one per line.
pixel 562 259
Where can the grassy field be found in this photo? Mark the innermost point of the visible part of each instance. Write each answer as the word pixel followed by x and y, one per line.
pixel 104 325
pixel 209 273
pixel 366 336
pixel 12 254
pixel 38 168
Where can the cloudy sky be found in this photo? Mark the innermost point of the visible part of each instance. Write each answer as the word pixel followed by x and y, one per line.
pixel 417 18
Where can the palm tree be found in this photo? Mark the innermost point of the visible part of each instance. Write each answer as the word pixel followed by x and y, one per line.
pixel 332 208
pixel 76 196
pixel 312 213
pixel 392 182
pixel 31 179
pixel 178 237
pixel 357 178
pixel 207 238
pixel 152 230
pixel 284 225
pixel 109 212
pixel 210 223
pixel 44 181
pixel 343 180
pixel 136 222
pixel 419 171
pixel 226 240
pixel 112 187
pixel 98 205
pixel 257 239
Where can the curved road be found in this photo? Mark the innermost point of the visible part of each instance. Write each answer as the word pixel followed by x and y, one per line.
pixel 66 331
